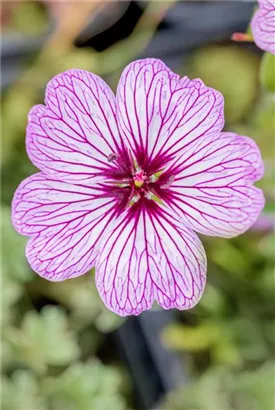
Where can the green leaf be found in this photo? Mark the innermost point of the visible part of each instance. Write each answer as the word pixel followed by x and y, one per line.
pixel 14 110
pixel 267 72
pixel 86 386
pixel 266 246
pixel 255 390
pixel 228 257
pixel 85 59
pixel 248 338
pixel 233 71
pixel 226 353
pixel 29 18
pixel 21 392
pixel 43 339
pixel 6 355
pixel 14 263
pixel 209 392
pixel 213 300
pixel 221 389
pixel 267 282
pixel 10 296
pixel 81 297
pixel 182 337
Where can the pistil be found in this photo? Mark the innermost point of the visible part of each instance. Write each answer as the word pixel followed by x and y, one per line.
pixel 139 178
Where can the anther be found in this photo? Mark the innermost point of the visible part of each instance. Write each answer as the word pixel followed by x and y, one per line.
pixel 139 178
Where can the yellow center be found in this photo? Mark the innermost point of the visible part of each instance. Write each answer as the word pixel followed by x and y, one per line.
pixel 138 183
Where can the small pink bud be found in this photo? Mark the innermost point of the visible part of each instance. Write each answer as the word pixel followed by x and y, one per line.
pixel 242 37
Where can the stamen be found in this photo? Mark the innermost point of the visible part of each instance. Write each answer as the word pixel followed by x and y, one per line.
pixel 138 183
pixel 139 178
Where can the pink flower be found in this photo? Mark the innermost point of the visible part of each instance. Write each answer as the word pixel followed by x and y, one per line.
pixel 263 26
pixel 126 180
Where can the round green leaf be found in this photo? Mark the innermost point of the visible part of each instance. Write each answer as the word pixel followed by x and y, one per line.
pixel 267 72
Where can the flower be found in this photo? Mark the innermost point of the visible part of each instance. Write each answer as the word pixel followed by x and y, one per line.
pixel 126 180
pixel 263 26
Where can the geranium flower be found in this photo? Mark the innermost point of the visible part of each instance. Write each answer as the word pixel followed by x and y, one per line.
pixel 126 181
pixel 262 26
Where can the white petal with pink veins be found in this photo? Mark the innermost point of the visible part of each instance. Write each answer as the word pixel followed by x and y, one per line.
pixel 213 191
pixel 65 223
pixel 74 134
pixel 125 180
pixel 150 257
pixel 158 112
pixel 263 26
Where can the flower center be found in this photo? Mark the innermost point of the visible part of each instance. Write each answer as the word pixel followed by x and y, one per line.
pixel 139 178
pixel 132 184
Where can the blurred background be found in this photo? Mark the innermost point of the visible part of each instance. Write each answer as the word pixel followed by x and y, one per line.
pixel 61 348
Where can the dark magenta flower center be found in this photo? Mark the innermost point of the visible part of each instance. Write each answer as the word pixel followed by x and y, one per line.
pixel 139 178
pixel 134 182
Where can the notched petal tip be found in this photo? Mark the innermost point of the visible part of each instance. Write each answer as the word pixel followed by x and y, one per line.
pixel 165 302
pixel 143 260
pixel 263 26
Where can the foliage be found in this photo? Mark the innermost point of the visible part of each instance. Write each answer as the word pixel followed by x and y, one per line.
pixel 15 267
pixel 21 392
pixel 221 389
pixel 43 339
pixel 231 70
pixel 81 386
pixel 40 349
pixel 36 23
pixel 267 72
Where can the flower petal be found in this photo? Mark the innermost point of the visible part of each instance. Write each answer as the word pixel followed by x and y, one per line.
pixel 160 113
pixel 64 221
pixel 263 26
pixel 73 135
pixel 213 185
pixel 267 4
pixel 149 256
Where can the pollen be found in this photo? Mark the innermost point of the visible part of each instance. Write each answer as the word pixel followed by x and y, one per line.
pixel 138 184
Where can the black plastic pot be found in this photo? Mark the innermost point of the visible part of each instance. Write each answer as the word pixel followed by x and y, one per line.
pixel 154 369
